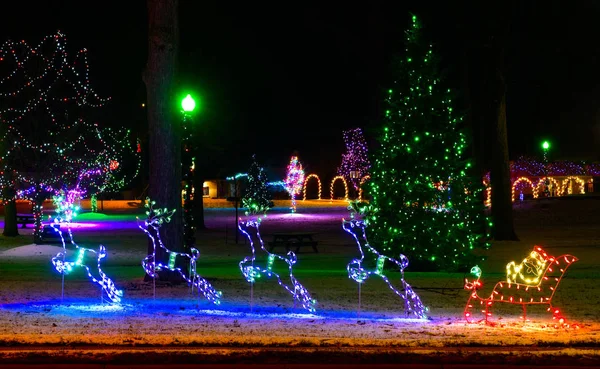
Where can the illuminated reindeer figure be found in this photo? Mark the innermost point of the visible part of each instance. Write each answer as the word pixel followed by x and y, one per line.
pixel 65 267
pixel 251 272
pixel 356 271
pixel 156 218
pixel 532 282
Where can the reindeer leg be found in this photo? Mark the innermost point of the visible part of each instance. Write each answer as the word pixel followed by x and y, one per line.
pixel 203 286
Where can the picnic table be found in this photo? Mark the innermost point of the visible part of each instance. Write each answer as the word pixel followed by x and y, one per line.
pixel 293 239
pixel 24 218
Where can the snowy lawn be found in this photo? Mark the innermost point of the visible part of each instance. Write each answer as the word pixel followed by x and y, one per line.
pixel 31 310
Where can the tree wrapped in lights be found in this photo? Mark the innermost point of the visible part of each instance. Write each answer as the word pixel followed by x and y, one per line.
pixel 48 143
pixel 294 180
pixel 355 162
pixel 424 205
pixel 256 198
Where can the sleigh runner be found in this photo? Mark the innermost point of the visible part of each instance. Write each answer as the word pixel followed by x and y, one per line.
pixel 533 282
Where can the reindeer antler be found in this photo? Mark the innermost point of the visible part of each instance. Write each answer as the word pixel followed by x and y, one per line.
pixel 157 217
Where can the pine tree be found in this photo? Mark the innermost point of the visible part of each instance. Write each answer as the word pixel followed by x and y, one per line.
pixel 424 204
pixel 257 199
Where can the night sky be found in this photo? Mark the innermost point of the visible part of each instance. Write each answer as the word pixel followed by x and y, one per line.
pixel 274 79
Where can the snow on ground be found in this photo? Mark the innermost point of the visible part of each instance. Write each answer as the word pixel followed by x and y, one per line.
pixel 31 310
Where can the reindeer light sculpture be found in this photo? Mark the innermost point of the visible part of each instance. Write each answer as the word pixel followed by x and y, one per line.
pixel 156 218
pixel 356 271
pixel 532 282
pixel 252 272
pixel 65 267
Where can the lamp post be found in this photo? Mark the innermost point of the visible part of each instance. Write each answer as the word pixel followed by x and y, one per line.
pixel 188 105
pixel 546 148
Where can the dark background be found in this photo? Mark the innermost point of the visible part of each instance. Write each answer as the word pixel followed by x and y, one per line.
pixel 277 78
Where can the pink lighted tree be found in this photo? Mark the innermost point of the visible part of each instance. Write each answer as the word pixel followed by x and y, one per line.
pixel 355 162
pixel 294 180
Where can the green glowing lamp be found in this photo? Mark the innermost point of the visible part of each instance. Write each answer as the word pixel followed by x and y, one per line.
pixel 545 145
pixel 188 104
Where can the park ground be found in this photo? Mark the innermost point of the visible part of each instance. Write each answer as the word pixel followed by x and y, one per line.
pixel 173 326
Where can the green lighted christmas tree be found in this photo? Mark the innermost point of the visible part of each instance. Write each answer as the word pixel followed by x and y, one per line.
pixel 424 205
pixel 256 198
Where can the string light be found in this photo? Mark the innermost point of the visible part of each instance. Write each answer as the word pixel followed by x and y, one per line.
pixel 94 203
pixel 294 180
pixel 252 272
pixel 65 267
pixel 567 185
pixel 356 271
pixel 306 182
pixel 54 95
pixel 539 274
pixel 422 143
pixel 517 182
pixel 338 178
pixel 257 199
pixel 355 162
pixel 488 191
pixel 363 180
pixel 156 217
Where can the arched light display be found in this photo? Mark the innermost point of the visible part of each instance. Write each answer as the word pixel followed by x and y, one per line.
pixel 306 181
pixel 568 187
pixel 542 182
pixel 338 178
pixel 362 181
pixel 517 182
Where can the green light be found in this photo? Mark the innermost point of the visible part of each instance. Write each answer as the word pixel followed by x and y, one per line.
pixel 188 104
pixel 546 145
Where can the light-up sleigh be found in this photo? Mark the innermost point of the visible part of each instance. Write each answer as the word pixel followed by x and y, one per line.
pixel 532 282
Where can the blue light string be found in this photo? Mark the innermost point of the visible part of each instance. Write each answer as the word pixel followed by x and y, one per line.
pixel 412 302
pixel 252 272
pixel 65 267
pixel 156 218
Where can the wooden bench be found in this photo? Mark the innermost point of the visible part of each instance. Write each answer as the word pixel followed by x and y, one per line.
pixel 293 240
pixel 24 219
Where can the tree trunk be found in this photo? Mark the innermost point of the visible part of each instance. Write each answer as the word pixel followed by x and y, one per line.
pixel 164 122
pixel 10 213
pixel 502 215
pixel 38 214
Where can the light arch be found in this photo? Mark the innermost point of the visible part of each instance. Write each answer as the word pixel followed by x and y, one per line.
pixel 336 178
pixel 488 193
pixel 541 182
pixel 516 182
pixel 362 181
pixel 306 181
pixel 569 189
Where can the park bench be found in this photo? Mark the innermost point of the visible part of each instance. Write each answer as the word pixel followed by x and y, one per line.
pixel 540 291
pixel 293 240
pixel 24 219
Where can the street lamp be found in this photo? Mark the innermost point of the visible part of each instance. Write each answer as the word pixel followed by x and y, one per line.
pixel 188 165
pixel 188 104
pixel 546 148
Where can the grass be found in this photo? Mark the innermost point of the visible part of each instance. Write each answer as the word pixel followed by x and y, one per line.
pixel 559 226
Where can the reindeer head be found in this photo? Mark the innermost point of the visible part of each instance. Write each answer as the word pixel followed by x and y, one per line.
pixel 355 227
pixel 156 217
